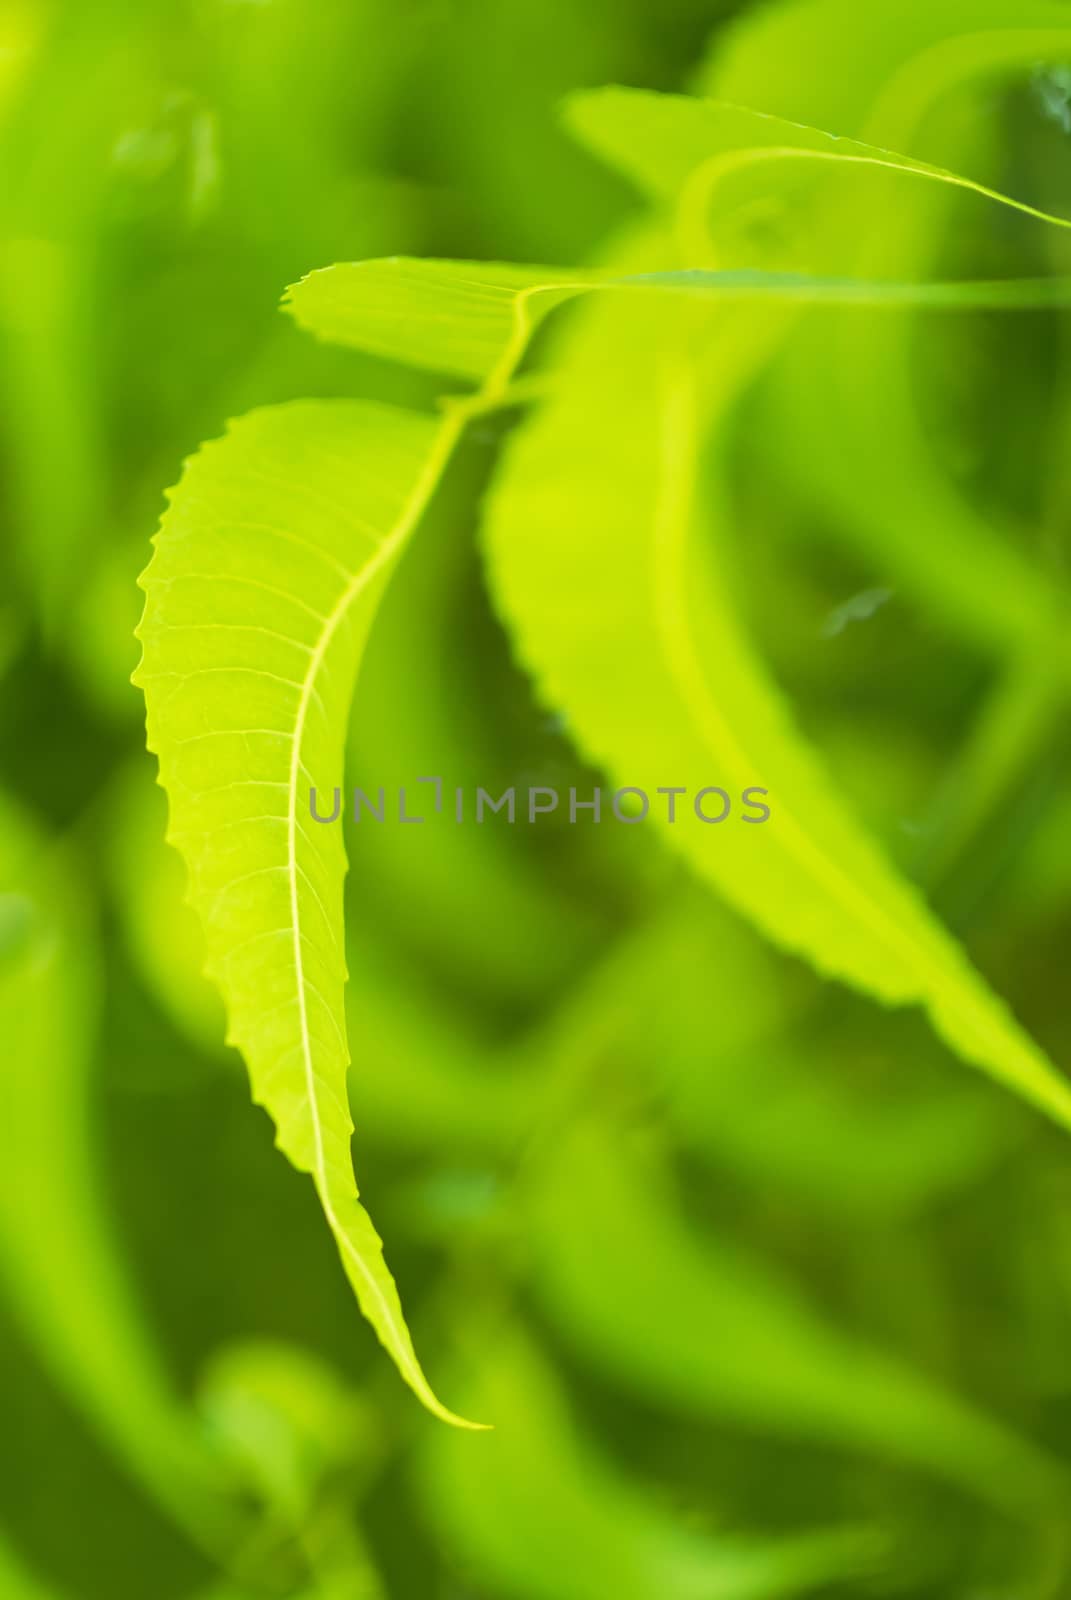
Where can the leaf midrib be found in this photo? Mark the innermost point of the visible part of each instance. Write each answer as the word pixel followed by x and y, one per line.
pixel 452 427
pixel 449 433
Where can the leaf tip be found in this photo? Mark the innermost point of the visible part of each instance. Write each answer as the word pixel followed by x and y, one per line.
pixel 444 1414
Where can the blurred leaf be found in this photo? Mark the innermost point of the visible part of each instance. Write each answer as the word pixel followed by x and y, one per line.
pixel 495 131
pixel 537 1513
pixel 426 1083
pixel 662 687
pixel 56 179
pixel 463 317
pixel 287 1418
pixel 901 505
pixel 702 1327
pixel 18 1583
pixel 482 926
pixel 840 1131
pixel 842 411
pixel 858 1157
pixel 59 1261
pixel 100 640
pixel 53 460
pixel 666 142
pixel 828 62
pixel 300 1435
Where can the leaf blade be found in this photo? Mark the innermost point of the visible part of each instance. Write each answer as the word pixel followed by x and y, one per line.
pixel 905 512
pixel 254 574
pixel 664 141
pixel 343 304
pixel 662 687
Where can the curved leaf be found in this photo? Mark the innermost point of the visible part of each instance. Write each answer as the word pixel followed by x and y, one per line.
pixel 540 1515
pixel 297 1432
pixel 456 316
pixel 18 1582
pixel 842 393
pixel 491 927
pixel 487 312
pixel 907 515
pixel 268 568
pixel 702 1325
pixel 665 142
pixel 826 63
pixel 59 1263
pixel 857 1149
pixel 600 493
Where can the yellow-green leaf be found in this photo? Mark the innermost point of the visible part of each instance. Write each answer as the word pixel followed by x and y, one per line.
pixel 267 572
pixel 605 491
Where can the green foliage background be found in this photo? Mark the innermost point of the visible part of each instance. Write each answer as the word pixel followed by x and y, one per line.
pixel 762 1289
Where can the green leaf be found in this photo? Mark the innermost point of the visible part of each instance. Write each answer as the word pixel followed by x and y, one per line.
pixel 287 1418
pixel 268 568
pixel 601 493
pixel 702 1325
pixel 659 684
pixel 60 1265
pixel 855 1149
pixel 427 1083
pixel 540 1515
pixel 471 318
pixel 805 289
pixel 17 1581
pixel 901 507
pixel 871 466
pixel 304 1440
pixel 837 65
pixel 456 316
pixel 665 142
pixel 492 925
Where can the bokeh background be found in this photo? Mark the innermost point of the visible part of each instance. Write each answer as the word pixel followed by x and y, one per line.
pixel 764 1291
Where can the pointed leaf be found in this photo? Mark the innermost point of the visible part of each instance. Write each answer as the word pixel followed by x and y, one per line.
pixel 872 465
pixel 600 494
pixel 666 141
pixel 268 568
pixel 474 319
